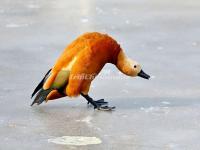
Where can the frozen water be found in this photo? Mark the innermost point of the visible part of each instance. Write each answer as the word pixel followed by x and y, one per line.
pixel 84 20
pixel 33 6
pixel 194 44
pixel 87 120
pixel 165 102
pixel 99 10
pixel 160 48
pixel 158 114
pixel 13 25
pixel 127 21
pixel 75 140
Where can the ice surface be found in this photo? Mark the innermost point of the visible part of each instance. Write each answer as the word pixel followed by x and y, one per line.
pixel 75 140
pixel 14 25
pixel 158 114
pixel 84 20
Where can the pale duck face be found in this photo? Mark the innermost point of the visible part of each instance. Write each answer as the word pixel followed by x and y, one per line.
pixel 136 69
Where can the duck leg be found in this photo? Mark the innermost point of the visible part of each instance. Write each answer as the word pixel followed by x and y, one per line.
pixel 101 102
pixel 97 104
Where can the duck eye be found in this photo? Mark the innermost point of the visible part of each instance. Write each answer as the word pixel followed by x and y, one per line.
pixel 135 66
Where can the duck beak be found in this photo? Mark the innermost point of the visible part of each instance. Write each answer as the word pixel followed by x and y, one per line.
pixel 143 75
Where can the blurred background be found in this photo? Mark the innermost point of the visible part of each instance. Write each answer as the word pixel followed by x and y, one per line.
pixel 163 36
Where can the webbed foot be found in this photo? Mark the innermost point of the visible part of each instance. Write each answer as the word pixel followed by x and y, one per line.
pixel 100 102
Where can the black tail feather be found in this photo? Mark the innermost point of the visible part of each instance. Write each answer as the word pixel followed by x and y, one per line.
pixel 41 96
pixel 40 85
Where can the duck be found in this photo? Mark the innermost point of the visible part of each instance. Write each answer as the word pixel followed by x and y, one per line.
pixel 79 64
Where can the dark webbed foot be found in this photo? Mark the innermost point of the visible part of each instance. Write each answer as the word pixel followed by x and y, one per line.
pixel 106 108
pixel 99 104
pixel 103 106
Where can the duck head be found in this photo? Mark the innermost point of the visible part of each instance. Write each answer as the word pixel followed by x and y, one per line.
pixel 130 67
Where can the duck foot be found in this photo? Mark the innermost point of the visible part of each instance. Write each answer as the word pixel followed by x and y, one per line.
pixel 98 104
pixel 106 108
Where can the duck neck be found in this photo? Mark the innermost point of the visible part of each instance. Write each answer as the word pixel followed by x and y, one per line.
pixel 124 64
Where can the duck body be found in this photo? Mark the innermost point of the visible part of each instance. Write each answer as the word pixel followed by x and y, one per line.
pixel 78 65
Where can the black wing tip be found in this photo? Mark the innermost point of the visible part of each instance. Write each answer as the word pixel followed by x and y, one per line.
pixel 41 96
pixel 39 86
pixel 35 102
pixel 32 103
pixel 32 95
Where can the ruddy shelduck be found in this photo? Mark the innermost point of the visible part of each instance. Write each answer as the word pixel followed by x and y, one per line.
pixel 78 65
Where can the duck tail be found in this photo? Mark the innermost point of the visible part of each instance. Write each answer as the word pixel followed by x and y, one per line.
pixel 41 93
pixel 41 96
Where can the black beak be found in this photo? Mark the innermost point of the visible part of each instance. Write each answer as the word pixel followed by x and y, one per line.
pixel 143 75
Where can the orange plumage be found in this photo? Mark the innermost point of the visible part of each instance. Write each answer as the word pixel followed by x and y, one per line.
pixel 78 65
pixel 92 51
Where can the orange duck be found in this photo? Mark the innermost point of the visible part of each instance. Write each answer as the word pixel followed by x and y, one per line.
pixel 78 65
